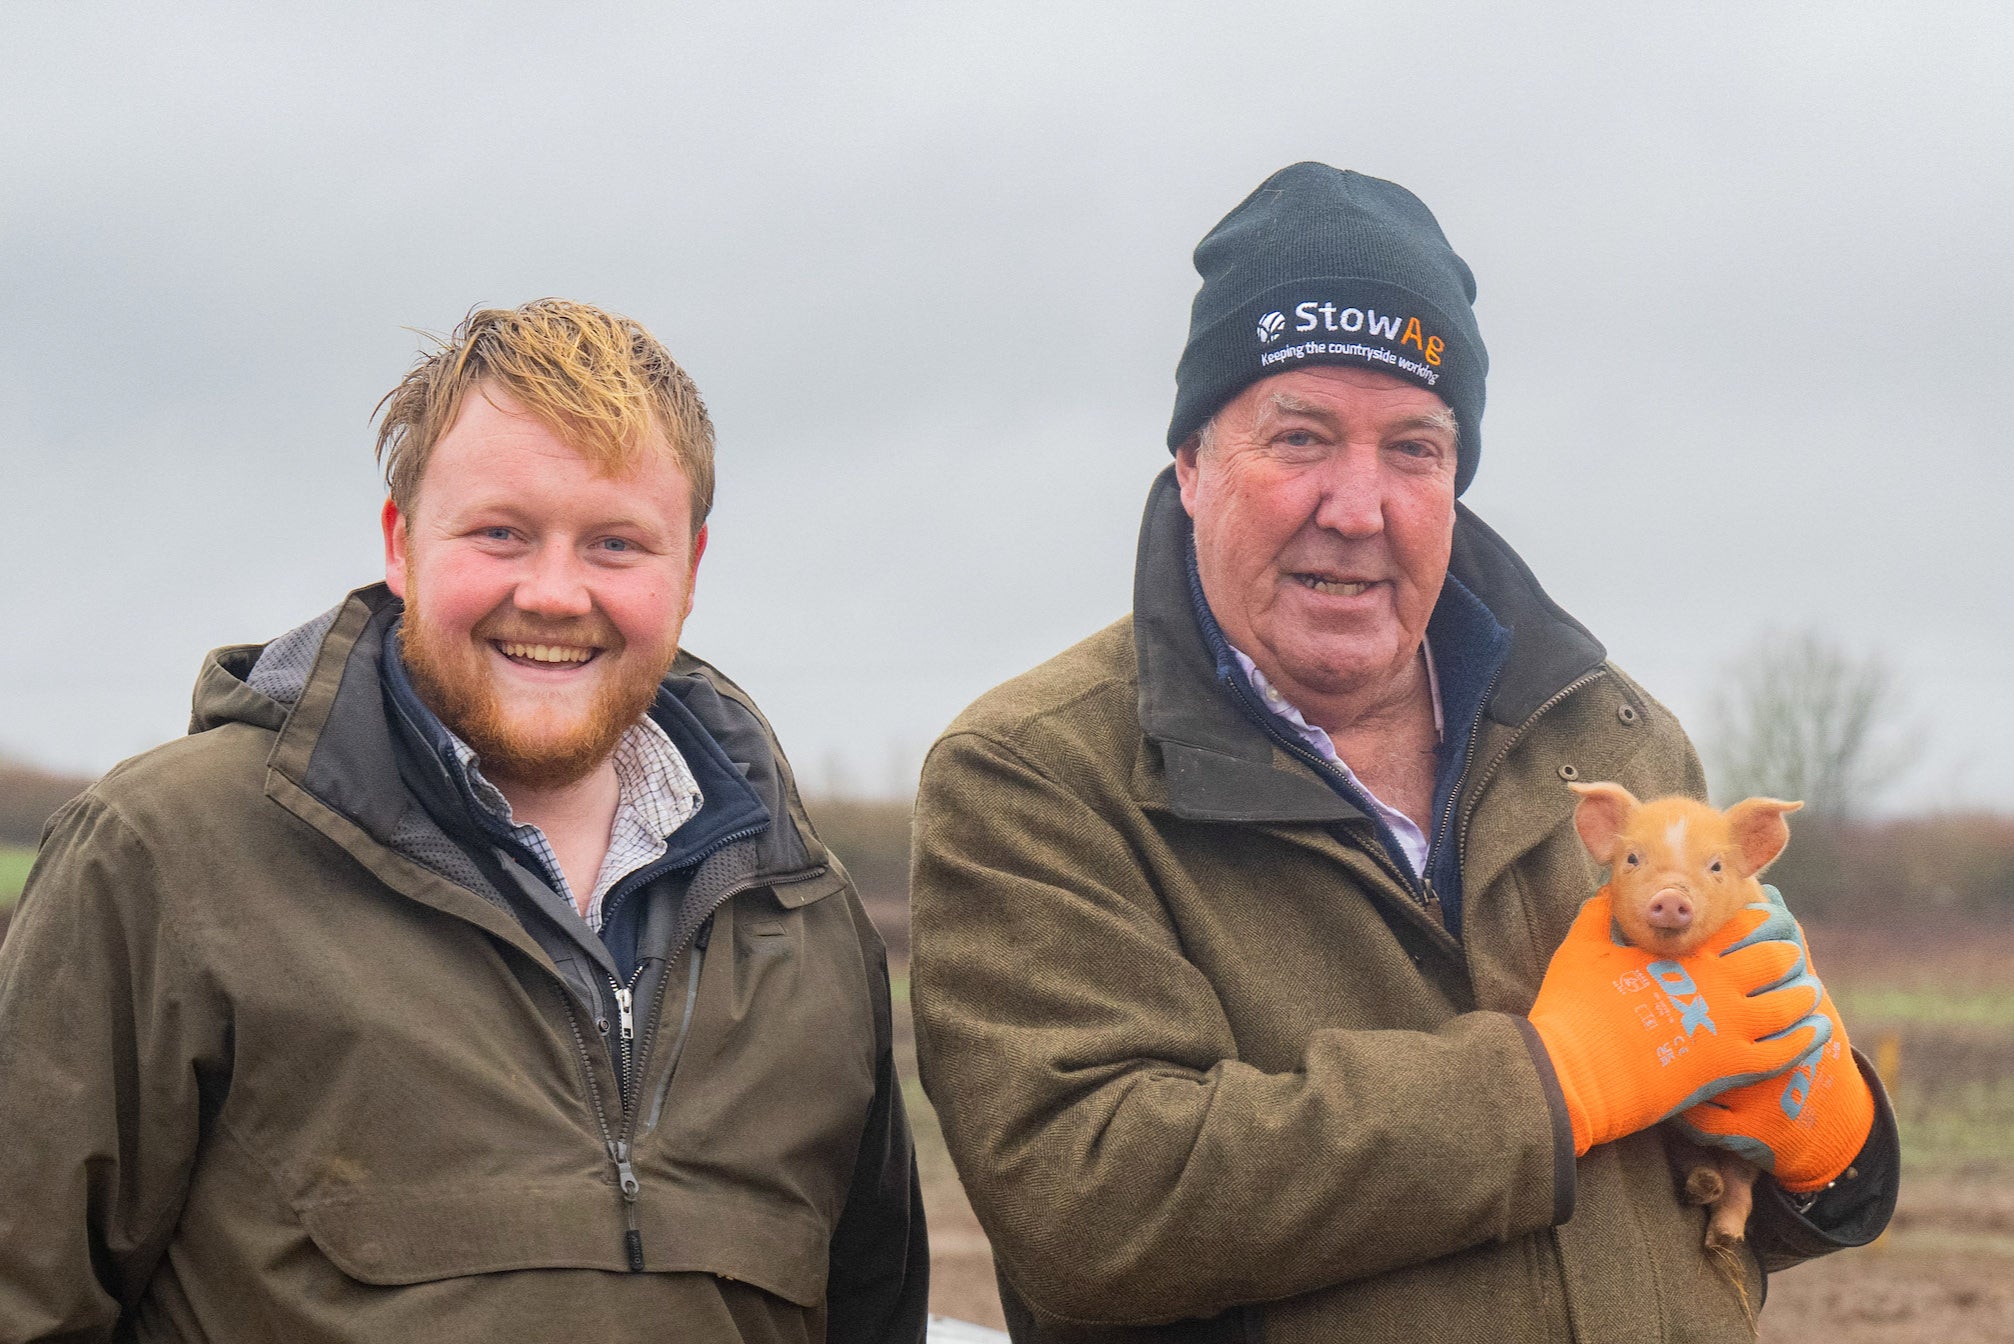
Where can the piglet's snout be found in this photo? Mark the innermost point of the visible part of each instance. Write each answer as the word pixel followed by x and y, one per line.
pixel 1671 909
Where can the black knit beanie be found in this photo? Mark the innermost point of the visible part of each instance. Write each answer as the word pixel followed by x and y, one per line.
pixel 1326 266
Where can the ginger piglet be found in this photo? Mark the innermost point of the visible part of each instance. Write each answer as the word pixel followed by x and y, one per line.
pixel 1678 871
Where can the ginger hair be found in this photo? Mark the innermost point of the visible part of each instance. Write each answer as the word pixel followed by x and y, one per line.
pixel 597 379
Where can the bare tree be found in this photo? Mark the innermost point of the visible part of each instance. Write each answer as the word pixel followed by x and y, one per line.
pixel 1800 717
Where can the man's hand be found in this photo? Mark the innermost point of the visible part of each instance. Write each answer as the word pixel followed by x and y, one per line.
pixel 1804 1127
pixel 1635 1038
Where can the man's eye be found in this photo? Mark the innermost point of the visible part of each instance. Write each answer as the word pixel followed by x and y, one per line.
pixel 617 544
pixel 496 534
pixel 1418 448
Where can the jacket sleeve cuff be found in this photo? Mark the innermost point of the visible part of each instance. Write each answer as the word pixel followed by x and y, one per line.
pixel 1852 1211
pixel 1563 1185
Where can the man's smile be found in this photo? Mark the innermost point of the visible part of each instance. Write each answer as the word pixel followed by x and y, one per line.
pixel 1334 587
pixel 544 655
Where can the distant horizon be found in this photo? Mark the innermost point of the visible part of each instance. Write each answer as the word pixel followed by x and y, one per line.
pixel 816 789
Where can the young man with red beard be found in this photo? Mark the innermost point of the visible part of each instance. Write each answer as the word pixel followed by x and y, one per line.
pixel 471 970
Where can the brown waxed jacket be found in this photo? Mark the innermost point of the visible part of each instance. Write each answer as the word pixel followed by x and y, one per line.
pixel 266 1073
pixel 1211 1071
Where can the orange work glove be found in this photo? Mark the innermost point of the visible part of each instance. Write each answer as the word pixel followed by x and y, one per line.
pixel 1805 1127
pixel 1635 1038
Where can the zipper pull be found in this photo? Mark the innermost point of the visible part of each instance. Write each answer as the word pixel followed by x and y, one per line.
pixel 1430 901
pixel 626 1174
pixel 632 1236
pixel 623 1008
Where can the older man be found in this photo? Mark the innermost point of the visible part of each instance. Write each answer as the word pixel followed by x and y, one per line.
pixel 471 970
pixel 1251 970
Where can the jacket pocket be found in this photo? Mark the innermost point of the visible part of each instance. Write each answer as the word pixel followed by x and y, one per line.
pixel 415 1235
pixel 422 1236
pixel 775 1243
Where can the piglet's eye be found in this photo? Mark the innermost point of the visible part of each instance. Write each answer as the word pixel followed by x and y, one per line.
pixel 1630 859
pixel 1713 867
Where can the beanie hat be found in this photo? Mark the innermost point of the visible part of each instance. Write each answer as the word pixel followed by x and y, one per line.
pixel 1326 266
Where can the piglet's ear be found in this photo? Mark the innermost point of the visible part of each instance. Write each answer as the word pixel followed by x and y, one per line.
pixel 1760 832
pixel 1603 811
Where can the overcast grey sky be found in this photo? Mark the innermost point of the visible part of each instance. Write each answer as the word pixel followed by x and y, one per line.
pixel 1745 276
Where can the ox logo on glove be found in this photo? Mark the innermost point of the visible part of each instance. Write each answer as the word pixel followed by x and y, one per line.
pixel 1673 979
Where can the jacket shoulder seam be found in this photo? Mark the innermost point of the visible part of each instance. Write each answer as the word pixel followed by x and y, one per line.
pixel 1015 730
pixel 1002 742
pixel 162 904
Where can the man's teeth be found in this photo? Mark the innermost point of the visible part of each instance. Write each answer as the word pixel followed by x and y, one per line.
pixel 1336 587
pixel 546 653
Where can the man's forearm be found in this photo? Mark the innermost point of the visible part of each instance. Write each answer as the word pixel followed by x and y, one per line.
pixel 1160 1192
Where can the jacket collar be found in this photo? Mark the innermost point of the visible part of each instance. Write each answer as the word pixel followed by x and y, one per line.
pixel 1220 765
pixel 338 743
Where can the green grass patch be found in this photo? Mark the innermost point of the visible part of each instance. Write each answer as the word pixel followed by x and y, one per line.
pixel 1968 1128
pixel 14 864
pixel 1925 1006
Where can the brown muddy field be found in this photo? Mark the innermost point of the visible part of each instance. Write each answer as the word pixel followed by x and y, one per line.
pixel 1942 1001
pixel 1944 1272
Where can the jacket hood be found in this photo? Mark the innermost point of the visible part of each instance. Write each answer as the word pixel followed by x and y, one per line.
pixel 259 683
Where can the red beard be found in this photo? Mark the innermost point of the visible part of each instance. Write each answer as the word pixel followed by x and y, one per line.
pixel 537 745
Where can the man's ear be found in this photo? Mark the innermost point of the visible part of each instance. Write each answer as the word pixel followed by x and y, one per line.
pixel 394 524
pixel 692 575
pixel 1760 832
pixel 1185 470
pixel 1601 814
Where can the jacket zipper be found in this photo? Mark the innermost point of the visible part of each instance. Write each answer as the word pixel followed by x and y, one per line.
pixel 1503 752
pixel 1455 793
pixel 1418 888
pixel 618 1143
pixel 615 1144
pixel 625 1017
pixel 618 1150
pixel 1468 766
pixel 624 994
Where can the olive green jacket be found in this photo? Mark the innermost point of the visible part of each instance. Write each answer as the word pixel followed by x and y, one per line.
pixel 267 1072
pixel 1202 1056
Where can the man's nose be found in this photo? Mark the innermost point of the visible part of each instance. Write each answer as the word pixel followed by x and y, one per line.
pixel 554 583
pixel 1353 499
